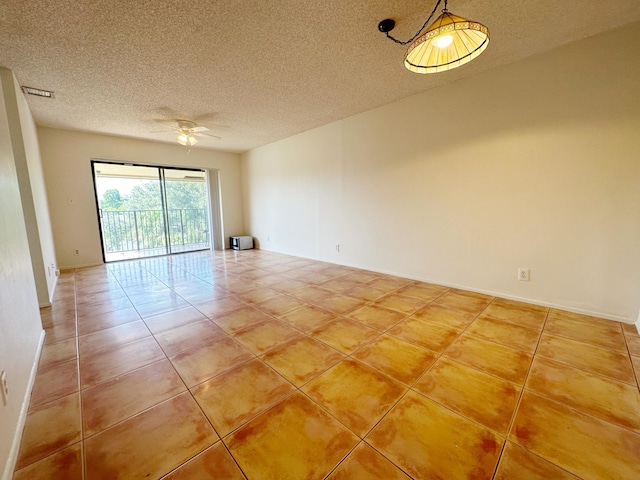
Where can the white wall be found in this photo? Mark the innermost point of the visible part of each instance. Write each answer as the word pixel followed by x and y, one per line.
pixel 66 159
pixel 20 326
pixel 531 165
pixel 32 189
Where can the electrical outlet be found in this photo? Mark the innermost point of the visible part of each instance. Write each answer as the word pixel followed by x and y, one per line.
pixel 4 387
pixel 523 274
pixel 338 247
pixel 76 252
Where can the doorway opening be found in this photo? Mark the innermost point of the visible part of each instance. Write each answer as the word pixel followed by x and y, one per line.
pixel 147 211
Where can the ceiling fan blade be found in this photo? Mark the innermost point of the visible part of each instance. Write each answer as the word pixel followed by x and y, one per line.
pixel 208 135
pixel 199 129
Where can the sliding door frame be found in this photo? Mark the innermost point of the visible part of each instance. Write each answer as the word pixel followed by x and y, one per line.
pixel 214 202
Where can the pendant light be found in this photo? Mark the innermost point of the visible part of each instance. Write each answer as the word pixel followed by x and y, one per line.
pixel 449 42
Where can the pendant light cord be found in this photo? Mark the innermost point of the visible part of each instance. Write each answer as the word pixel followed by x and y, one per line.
pixel 426 22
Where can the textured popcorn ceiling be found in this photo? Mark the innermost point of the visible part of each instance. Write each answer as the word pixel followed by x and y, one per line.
pixel 263 69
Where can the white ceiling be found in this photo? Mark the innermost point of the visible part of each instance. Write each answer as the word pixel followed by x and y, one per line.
pixel 264 70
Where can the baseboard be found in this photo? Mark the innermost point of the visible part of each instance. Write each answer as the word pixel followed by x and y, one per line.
pixel 17 436
pixel 637 324
pixel 82 265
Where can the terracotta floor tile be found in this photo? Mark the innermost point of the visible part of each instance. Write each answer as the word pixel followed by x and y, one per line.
pixel 608 399
pixel 173 319
pixel 514 304
pixel 522 316
pixel 398 359
pixel 308 317
pixel 60 331
pixel 607 335
pixel 504 362
pixel 340 304
pixel 302 359
pixel 470 294
pixel 284 285
pixel 340 285
pixel 508 334
pixel 95 369
pixel 257 294
pixel 293 440
pixel 636 366
pixel 51 317
pixel 633 343
pixel 425 334
pixel 279 305
pixel 103 306
pixel 186 337
pixel 311 293
pixel 162 306
pixel 427 440
pixel 459 387
pixel 66 464
pixel 401 303
pixel 221 306
pixel 210 294
pixel 235 397
pixel 466 303
pixel 126 395
pixel 345 335
pixel 450 425
pixel 109 338
pixel 214 463
pixel 49 428
pixel 589 320
pixel 97 297
pixel 588 357
pixel 458 319
pixel 356 395
pixel 424 291
pixel 364 463
pixel 362 276
pixel 200 364
pixel 376 317
pixel 365 292
pixel 389 283
pixel 54 382
pixel 264 336
pixel 150 444
pixel 579 443
pixel 516 462
pixel 94 323
pixel 240 318
pixel 59 352
pixel 316 278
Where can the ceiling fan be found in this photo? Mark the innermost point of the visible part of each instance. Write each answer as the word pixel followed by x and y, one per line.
pixel 187 131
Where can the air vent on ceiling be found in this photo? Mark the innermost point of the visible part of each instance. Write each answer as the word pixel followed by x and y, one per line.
pixel 38 92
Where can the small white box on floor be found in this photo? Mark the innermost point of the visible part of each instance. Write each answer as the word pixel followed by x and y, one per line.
pixel 241 242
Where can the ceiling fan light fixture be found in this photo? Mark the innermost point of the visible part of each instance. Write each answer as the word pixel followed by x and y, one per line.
pixel 185 138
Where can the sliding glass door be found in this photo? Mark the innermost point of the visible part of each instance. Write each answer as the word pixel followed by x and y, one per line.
pixel 149 211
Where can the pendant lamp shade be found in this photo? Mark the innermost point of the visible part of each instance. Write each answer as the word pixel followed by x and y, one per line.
pixel 449 42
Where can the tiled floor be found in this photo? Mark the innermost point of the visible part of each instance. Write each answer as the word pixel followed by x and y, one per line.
pixel 264 366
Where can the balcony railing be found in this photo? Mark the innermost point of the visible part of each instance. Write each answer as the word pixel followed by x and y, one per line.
pixel 143 230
